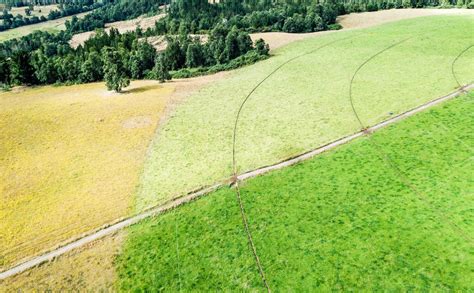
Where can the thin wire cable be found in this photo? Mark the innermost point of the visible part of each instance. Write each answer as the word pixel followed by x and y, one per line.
pixel 177 249
pixel 460 86
pixel 234 161
pixel 359 68
pixel 387 158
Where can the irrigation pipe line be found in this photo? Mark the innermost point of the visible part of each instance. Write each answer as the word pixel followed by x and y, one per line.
pixel 454 62
pixel 175 202
pixel 235 179
pixel 386 157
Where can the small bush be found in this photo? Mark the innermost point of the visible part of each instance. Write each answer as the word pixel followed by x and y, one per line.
pixel 334 27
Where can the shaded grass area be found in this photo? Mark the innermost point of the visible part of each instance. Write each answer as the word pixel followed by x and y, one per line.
pixel 70 159
pixel 307 96
pixel 341 221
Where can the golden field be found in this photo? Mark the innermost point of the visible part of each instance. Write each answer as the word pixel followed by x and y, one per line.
pixel 70 159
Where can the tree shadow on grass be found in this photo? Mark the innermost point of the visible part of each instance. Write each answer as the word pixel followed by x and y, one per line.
pixel 141 89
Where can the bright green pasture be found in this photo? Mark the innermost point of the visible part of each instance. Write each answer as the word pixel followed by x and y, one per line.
pixel 344 220
pixel 306 103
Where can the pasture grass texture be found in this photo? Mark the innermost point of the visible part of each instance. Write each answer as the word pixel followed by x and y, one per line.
pixel 344 220
pixel 306 103
pixel 70 159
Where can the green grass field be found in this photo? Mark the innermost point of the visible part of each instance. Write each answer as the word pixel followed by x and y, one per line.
pixel 342 221
pixel 51 26
pixel 305 104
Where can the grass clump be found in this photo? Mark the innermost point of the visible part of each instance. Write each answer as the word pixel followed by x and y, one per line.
pixel 342 221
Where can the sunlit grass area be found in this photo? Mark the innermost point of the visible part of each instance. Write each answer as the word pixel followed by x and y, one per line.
pixel 51 26
pixel 346 220
pixel 70 158
pixel 306 103
pixel 90 268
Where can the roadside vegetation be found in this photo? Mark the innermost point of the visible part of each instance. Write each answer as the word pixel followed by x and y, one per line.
pixel 307 96
pixel 70 160
pixel 345 220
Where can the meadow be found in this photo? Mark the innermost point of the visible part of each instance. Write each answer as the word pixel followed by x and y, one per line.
pixel 344 213
pixel 346 220
pixel 70 159
pixel 305 104
pixel 51 26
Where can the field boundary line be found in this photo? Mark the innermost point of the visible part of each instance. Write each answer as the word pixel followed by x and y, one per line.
pixel 178 201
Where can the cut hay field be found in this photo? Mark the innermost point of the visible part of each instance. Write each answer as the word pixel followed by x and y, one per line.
pixel 70 159
pixel 305 104
pixel 343 221
pixel 51 26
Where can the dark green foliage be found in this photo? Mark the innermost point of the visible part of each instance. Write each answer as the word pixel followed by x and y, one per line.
pixel 114 69
pixel 91 69
pixel 44 58
pixel 65 9
pixel 261 47
pixel 161 69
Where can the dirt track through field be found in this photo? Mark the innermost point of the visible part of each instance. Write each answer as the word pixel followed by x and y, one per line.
pixel 113 228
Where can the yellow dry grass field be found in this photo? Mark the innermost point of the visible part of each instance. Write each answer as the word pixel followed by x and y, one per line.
pixel 88 269
pixel 70 159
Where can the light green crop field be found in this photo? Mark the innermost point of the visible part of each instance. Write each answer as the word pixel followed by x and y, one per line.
pixel 305 104
pixel 345 220
pixel 51 26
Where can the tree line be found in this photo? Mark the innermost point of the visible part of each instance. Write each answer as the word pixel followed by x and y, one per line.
pixel 9 21
pixel 44 58
pixel 117 58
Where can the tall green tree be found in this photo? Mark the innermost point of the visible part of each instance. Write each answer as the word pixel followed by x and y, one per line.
pixel 161 69
pixel 114 70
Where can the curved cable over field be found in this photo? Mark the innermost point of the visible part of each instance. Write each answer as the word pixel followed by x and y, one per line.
pixel 359 68
pixel 234 161
pixel 384 156
pixel 454 63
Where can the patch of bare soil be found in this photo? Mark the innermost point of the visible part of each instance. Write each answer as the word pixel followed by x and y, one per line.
pixel 358 21
pixel 160 43
pixel 137 122
pixel 368 19
pixel 122 26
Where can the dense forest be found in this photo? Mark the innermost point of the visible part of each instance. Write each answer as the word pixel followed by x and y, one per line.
pixel 44 58
pixel 8 20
